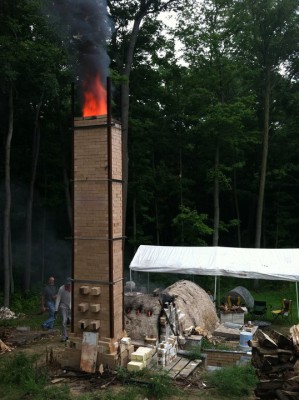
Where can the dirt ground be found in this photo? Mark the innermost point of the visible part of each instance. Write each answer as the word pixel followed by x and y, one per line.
pixel 48 347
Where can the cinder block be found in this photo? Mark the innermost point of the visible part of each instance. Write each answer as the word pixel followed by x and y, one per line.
pixel 95 307
pixel 83 323
pixel 83 307
pixel 124 361
pixel 95 324
pixel 130 350
pixel 84 290
pixel 135 366
pixel 95 291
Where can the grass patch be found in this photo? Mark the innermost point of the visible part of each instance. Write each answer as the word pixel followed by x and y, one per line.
pixel 207 345
pixel 22 371
pixel 233 382
pixel 153 385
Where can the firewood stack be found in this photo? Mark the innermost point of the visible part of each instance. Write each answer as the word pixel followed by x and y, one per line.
pixel 274 356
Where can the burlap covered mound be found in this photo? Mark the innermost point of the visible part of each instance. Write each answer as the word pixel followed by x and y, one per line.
pixel 195 304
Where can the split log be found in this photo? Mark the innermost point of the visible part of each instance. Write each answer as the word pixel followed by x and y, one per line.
pixel 292 384
pixel 285 355
pixel 272 384
pixel 274 356
pixel 265 340
pixel 282 341
pixel 294 330
pixel 286 395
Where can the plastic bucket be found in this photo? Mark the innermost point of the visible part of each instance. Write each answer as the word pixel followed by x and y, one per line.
pixel 244 337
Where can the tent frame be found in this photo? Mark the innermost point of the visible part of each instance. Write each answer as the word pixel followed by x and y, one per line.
pixel 248 263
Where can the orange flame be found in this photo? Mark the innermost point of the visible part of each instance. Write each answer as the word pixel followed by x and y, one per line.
pixel 95 98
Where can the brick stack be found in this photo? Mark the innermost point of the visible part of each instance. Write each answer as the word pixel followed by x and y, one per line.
pixel 167 351
pixel 98 244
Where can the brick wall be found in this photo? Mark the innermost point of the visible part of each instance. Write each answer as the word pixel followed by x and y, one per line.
pixel 221 358
pixel 98 246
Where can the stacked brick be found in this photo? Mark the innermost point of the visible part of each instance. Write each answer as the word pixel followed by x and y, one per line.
pixel 167 351
pixel 141 358
pixel 98 233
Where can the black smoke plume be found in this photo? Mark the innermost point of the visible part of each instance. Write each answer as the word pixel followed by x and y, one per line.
pixel 88 28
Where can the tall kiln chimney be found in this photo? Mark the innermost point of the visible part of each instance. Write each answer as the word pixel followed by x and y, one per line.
pixel 98 227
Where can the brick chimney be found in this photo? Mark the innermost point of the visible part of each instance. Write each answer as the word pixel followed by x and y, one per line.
pixel 98 228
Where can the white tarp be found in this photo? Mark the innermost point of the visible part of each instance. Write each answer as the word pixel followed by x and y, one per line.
pixel 278 264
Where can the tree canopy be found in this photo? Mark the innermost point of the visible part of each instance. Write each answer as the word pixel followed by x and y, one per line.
pixel 209 112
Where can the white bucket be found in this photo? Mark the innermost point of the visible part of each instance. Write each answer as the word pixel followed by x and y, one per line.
pixel 244 337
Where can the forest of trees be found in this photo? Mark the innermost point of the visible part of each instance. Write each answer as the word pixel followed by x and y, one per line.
pixel 209 107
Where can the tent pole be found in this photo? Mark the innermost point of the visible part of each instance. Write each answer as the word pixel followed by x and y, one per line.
pixel 297 300
pixel 148 283
pixel 215 289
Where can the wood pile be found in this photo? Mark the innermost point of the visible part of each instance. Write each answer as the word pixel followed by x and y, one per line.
pixel 275 356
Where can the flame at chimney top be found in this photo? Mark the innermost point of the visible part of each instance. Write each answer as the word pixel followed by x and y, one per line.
pixel 94 97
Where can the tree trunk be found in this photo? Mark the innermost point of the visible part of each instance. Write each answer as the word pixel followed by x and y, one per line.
pixel 237 209
pixel 7 206
pixel 11 278
pixel 216 197
pixel 35 154
pixel 260 204
pixel 157 223
pixel 134 224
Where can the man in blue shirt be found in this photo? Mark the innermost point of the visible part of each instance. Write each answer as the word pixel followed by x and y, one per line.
pixel 48 303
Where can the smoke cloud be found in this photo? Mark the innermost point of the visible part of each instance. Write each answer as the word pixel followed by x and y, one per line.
pixel 89 29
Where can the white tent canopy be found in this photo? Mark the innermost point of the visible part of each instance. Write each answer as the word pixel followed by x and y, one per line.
pixel 272 264
pixel 278 264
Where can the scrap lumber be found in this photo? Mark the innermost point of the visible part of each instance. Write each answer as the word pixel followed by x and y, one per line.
pixel 4 348
pixel 274 356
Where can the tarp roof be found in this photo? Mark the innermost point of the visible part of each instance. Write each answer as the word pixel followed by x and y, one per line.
pixel 251 263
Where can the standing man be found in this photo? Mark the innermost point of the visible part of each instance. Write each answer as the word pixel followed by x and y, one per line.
pixel 64 304
pixel 48 303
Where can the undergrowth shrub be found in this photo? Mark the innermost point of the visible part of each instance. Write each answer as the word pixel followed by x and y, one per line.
pixel 22 370
pixel 161 386
pixel 233 382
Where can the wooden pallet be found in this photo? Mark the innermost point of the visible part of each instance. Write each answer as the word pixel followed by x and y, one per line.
pixel 179 368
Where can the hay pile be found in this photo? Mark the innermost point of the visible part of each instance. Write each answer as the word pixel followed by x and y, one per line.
pixel 195 304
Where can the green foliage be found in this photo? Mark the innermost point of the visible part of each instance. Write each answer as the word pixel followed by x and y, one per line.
pixel 233 382
pixel 192 226
pixel 54 393
pixel 161 386
pixel 206 344
pixel 195 353
pixel 131 393
pixel 25 302
pixel 23 370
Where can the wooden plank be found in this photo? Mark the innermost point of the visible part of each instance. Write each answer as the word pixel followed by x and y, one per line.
pixel 171 365
pixel 178 367
pixel 89 351
pixel 185 372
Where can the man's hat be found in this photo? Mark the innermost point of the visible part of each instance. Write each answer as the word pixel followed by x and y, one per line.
pixel 68 281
